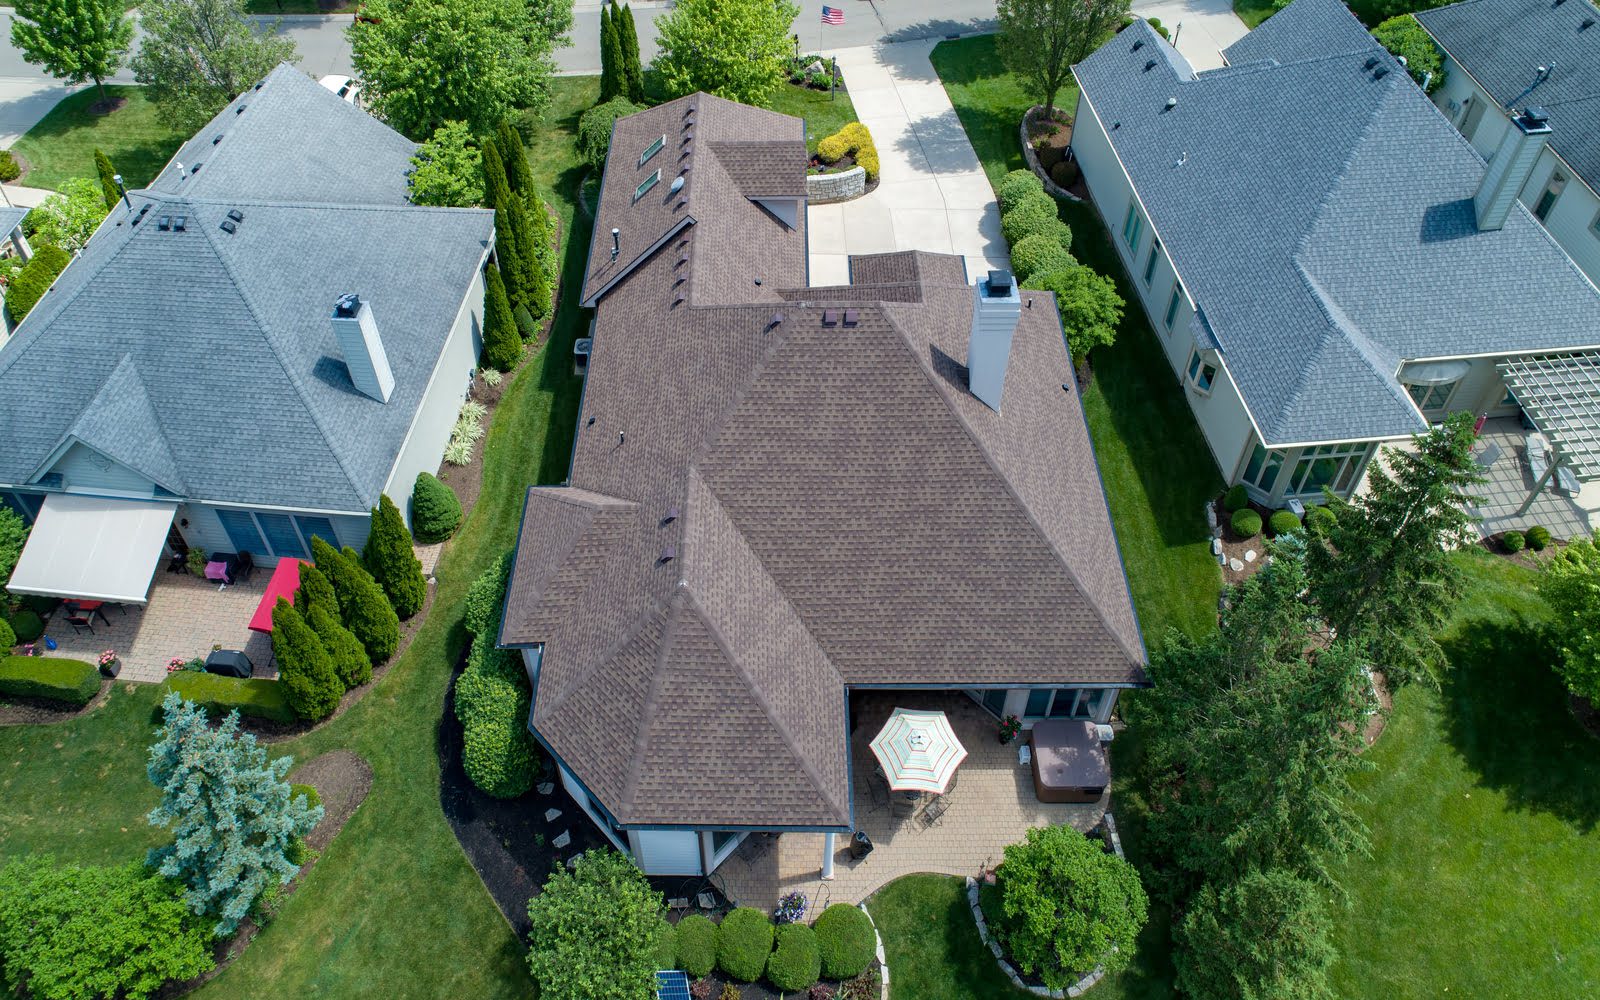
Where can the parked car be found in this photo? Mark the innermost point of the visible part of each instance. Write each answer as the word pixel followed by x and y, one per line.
pixel 347 88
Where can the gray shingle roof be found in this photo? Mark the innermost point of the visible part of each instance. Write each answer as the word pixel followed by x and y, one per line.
pixel 762 513
pixel 1321 218
pixel 1502 43
pixel 206 360
pixel 10 218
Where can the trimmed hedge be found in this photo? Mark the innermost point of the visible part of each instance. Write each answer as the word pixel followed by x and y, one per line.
pixel 486 598
pixel 795 965
pixel 27 625
pixel 697 945
pixel 744 940
pixel 72 681
pixel 1513 541
pixel 435 510
pixel 845 942
pixel 1040 253
pixel 1246 523
pixel 666 946
pixel 492 701
pixel 35 278
pixel 1016 186
pixel 8 638
pixel 1035 214
pixel 313 798
pixel 851 139
pixel 1282 522
pixel 1538 538
pixel 254 697
pixel 1235 499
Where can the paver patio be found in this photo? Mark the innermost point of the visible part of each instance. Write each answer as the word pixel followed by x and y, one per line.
pixel 1508 480
pixel 991 806
pixel 185 616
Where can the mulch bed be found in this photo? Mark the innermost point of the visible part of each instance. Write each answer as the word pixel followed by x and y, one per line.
pixel 43 711
pixel 342 779
pixel 106 107
pixel 1377 720
pixel 1495 545
pixel 1235 547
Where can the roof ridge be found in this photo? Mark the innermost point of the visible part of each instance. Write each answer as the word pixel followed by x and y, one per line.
pixel 158 196
pixel 654 608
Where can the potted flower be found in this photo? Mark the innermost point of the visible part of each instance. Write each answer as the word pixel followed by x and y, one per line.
pixel 1010 726
pixel 175 664
pixel 110 666
pixel 791 907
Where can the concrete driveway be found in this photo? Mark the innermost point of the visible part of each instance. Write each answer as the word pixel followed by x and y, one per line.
pixel 1203 27
pixel 932 193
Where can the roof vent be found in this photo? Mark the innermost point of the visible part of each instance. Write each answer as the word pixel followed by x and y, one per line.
pixel 672 514
pixel 1172 102
pixel 140 217
pixel 775 320
pixel 1150 65
pixel 669 553
pixel 1138 44
pixel 830 317
pixel 235 215
pixel 1380 72
pixel 616 242
pixel 1371 62
pixel 851 317
pixel 180 224
pixel 683 260
pixel 240 109
pixel 356 330
pixel 164 224
pixel 678 299
pixel 676 185
pixel 194 170
pixel 216 138
pixel 228 227
pixel 1588 23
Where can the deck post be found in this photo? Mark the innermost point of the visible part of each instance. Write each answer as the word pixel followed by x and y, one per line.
pixel 827 857
pixel 1549 473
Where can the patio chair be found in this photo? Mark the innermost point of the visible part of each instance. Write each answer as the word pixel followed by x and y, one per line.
pixel 1488 457
pixel 878 794
pixel 904 806
pixel 934 812
pixel 80 620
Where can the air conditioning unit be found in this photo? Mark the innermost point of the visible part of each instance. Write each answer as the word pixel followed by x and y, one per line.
pixel 1103 733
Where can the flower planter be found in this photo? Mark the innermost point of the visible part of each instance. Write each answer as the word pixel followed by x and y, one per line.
pixel 111 669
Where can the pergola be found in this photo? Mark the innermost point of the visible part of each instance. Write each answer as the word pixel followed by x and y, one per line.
pixel 1560 393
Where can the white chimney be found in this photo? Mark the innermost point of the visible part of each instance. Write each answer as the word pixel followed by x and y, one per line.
pixel 996 307
pixel 1509 169
pixel 357 332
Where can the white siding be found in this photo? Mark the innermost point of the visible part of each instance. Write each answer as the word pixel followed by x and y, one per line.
pixel 581 797
pixel 85 470
pixel 1481 391
pixel 666 852
pixel 430 430
pixel 204 530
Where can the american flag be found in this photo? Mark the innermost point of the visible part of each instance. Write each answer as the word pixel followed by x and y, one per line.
pixel 833 15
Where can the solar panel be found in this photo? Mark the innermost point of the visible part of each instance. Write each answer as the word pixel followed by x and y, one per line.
pixel 672 986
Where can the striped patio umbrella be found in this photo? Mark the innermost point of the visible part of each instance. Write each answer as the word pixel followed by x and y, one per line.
pixel 919 751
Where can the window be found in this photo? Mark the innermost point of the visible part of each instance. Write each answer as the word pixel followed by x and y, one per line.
pixel 994 700
pixel 1594 227
pixel 1263 468
pixel 1431 397
pixel 649 182
pixel 651 150
pixel 1201 374
pixel 1151 261
pixel 1065 703
pixel 242 533
pixel 721 840
pixel 1552 191
pixel 1332 465
pixel 319 526
pixel 1173 303
pixel 282 536
pixel 1132 226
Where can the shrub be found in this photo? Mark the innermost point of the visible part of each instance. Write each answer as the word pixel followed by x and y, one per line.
pixel 1039 254
pixel 1513 541
pixel 744 940
pixel 13 535
pixel 391 560
pixel 196 561
pixel 10 169
pixel 594 129
pixel 852 139
pixel 255 697
pixel 1034 214
pixel 68 932
pixel 1409 40
pixel 665 955
pixel 35 278
pixel 315 591
pixel 1538 539
pixel 72 681
pixel 729 992
pixel 1237 498
pixel 40 604
pixel 492 700
pixel 1088 303
pixel 593 930
pixel 697 945
pixel 1282 522
pixel 1318 520
pixel 795 964
pixel 1246 523
pixel 304 667
pixel 1068 906
pixel 833 148
pixel 1051 157
pixel 362 605
pixel 1016 186
pixel 312 797
pixel 447 170
pixel 27 625
pixel 502 340
pixel 8 638
pixel 1264 934
pixel 1159 28
pixel 1065 173
pixel 486 597
pixel 435 511
pixel 350 663
pixel 845 941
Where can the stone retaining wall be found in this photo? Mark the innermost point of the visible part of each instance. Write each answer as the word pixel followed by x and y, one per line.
pixel 1082 985
pixel 822 189
pixel 1033 160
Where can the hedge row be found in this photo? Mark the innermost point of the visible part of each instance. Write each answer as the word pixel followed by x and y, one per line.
pixel 72 681
pixel 253 697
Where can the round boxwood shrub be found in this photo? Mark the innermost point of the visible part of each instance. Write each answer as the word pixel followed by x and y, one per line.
pixel 1014 187
pixel 1040 253
pixel 1513 541
pixel 1319 520
pixel 795 965
pixel 1283 521
pixel 435 510
pixel 744 940
pixel 1246 523
pixel 1538 538
pixel 8 638
pixel 697 945
pixel 1034 214
pixel 845 941
pixel 312 798
pixel 666 945
pixel 1235 499
pixel 27 626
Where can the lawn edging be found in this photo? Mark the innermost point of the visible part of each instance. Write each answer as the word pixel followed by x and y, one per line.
pixel 883 960
pixel 825 189
pixel 1075 990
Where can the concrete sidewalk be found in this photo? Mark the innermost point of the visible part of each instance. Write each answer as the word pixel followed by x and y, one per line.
pixel 932 193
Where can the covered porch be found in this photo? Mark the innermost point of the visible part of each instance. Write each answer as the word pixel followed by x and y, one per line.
pixel 991 804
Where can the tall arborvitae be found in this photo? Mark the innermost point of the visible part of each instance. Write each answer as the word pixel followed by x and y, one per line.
pixel 108 179
pixel 632 71
pixel 502 344
pixel 610 56
pixel 519 175
pixel 508 247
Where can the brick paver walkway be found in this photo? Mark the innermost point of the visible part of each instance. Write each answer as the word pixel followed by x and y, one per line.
pixel 991 806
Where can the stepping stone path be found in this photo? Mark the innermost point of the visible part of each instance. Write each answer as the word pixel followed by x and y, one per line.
pixel 1216 546
pixel 1235 565
pixel 547 788
pixel 562 841
pixel 1250 555
pixel 551 815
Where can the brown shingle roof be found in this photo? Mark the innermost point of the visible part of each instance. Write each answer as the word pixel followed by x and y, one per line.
pixel 764 512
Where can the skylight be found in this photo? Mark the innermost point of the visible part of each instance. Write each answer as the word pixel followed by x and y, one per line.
pixel 649 182
pixel 651 150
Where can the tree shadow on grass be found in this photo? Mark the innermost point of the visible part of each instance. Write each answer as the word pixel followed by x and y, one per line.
pixel 1506 714
pixel 571 322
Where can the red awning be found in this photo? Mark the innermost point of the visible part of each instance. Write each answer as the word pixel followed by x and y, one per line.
pixel 285 581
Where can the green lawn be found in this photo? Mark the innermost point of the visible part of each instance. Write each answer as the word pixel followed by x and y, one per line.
pixel 392 909
pixel 61 146
pixel 932 944
pixel 1157 469
pixel 1252 12
pixel 823 116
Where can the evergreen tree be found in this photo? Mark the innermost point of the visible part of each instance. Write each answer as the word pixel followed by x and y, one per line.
pixel 632 71
pixel 305 670
pixel 315 591
pixel 363 607
pixel 350 663
pixel 610 56
pixel 1262 937
pixel 108 179
pixel 233 820
pixel 507 249
pixel 502 344
pixel 1381 575
pixel 391 560
pixel 530 277
pixel 519 175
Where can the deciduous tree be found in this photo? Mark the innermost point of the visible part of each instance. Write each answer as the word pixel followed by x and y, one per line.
pixel 447 170
pixel 69 217
pixel 1089 304
pixel 1570 584
pixel 1041 39
pixel 736 49
pixel 73 40
pixel 197 55
pixel 233 820
pixel 592 931
pixel 1409 40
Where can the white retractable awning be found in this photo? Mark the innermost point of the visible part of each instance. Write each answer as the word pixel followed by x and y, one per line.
pixel 94 548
